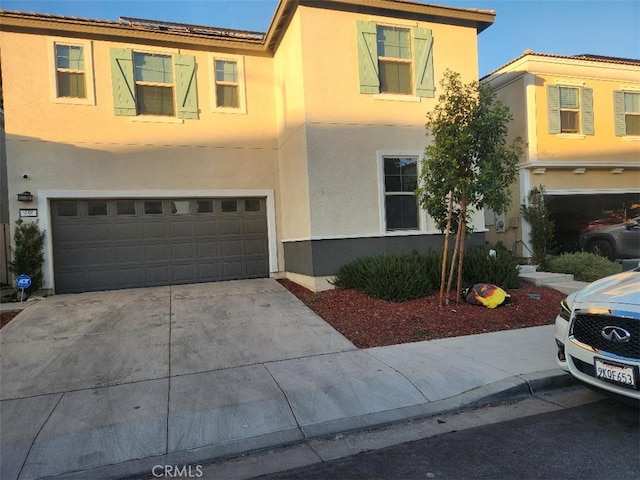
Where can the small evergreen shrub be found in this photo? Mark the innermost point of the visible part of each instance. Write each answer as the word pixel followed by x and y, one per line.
pixel 585 267
pixel 396 277
pixel 28 253
pixel 480 267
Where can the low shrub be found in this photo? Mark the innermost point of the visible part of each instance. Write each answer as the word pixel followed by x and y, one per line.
pixel 396 277
pixel 481 267
pixel 585 267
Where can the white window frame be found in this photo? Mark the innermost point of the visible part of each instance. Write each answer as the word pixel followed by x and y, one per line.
pixel 410 61
pixel 630 135
pixel 423 222
pixel 577 111
pixel 87 52
pixel 172 85
pixel 242 101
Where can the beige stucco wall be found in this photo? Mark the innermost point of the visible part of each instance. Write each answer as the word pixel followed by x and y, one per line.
pixel 348 131
pixel 291 134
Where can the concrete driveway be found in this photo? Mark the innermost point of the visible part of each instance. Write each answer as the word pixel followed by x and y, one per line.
pixel 73 360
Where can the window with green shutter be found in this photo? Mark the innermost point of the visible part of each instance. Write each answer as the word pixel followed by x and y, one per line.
pixel 627 113
pixel 395 60
pixel 570 110
pixel 153 84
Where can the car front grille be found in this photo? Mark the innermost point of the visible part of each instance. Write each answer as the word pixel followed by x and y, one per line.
pixel 587 329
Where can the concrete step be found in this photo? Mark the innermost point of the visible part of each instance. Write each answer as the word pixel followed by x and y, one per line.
pixel 545 278
pixel 567 287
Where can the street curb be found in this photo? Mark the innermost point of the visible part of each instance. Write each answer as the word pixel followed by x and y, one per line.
pixel 509 388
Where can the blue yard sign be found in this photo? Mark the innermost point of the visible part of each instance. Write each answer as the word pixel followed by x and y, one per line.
pixel 23 281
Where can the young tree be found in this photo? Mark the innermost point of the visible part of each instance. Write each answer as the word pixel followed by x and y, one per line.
pixel 468 166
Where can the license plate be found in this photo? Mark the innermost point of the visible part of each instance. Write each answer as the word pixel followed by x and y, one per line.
pixel 620 374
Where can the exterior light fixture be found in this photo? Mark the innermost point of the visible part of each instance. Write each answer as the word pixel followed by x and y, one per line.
pixel 25 197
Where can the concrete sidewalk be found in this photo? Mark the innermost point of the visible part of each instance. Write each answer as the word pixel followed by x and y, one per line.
pixel 194 376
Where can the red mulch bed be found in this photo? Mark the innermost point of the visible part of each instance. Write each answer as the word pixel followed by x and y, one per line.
pixel 369 322
pixel 6 317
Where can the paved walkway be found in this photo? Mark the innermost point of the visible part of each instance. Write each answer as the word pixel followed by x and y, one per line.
pixel 110 384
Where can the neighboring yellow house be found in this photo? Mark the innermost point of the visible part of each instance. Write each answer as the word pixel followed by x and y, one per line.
pixel 580 118
pixel 157 153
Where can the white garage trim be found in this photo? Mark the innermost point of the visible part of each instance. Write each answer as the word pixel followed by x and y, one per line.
pixel 44 196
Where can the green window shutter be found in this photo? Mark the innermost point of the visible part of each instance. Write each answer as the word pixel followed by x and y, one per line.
pixel 619 118
pixel 186 93
pixel 587 111
pixel 423 57
pixel 553 108
pixel 122 82
pixel 368 57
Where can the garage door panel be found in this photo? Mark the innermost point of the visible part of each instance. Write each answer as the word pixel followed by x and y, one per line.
pixel 131 277
pixel 182 251
pixel 231 226
pixel 155 231
pixel 208 272
pixel 157 275
pixel 97 233
pixel 71 257
pixel 182 229
pixel 254 226
pixel 129 254
pixel 100 256
pixel 232 270
pixel 184 273
pixel 256 268
pixel 207 249
pixel 155 253
pixel 136 243
pixel 255 247
pixel 231 247
pixel 128 231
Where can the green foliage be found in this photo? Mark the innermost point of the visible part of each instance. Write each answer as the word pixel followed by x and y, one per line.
pixel 542 227
pixel 586 267
pixel 396 277
pixel 399 276
pixel 28 252
pixel 469 156
pixel 502 270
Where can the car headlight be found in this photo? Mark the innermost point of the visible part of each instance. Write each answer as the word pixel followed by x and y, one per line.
pixel 565 310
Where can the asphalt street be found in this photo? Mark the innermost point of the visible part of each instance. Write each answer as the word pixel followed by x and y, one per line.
pixel 592 441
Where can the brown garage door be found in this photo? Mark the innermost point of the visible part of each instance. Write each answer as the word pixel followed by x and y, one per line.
pixel 110 244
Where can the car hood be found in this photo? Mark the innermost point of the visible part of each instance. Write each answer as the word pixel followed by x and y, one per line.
pixel 623 288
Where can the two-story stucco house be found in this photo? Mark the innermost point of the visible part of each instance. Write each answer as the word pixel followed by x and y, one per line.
pixel 160 153
pixel 580 117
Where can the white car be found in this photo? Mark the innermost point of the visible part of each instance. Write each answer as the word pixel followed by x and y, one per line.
pixel 598 334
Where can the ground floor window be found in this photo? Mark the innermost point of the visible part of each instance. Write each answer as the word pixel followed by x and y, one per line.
pixel 400 183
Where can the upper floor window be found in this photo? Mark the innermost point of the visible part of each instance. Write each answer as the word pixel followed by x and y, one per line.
pixel 395 60
pixel 400 183
pixel 627 113
pixel 71 66
pixel 153 84
pixel 70 71
pixel 570 110
pixel 227 84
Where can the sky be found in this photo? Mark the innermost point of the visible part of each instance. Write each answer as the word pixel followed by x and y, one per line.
pixel 563 27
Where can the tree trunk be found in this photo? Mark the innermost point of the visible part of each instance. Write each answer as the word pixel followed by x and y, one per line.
pixel 443 271
pixel 462 220
pixel 456 246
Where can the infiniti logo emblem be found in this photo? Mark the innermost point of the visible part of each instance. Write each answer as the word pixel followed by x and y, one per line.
pixel 615 334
